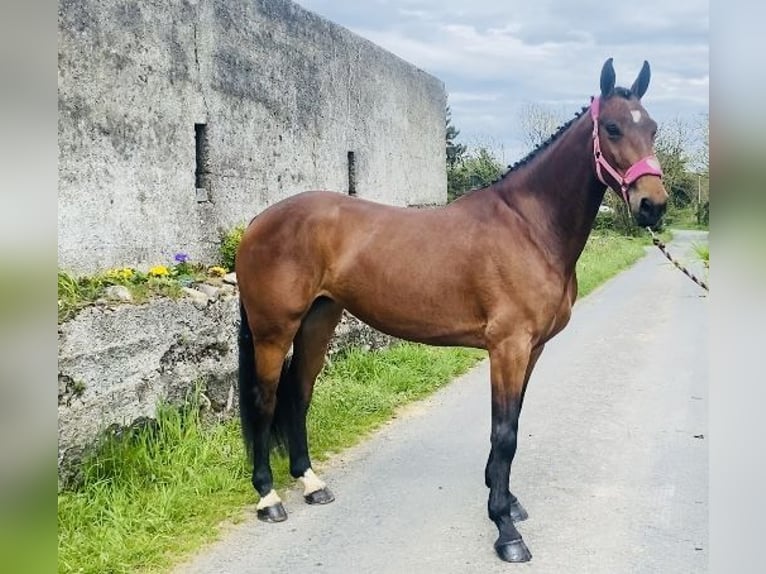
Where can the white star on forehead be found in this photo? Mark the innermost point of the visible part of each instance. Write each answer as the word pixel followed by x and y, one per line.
pixel 636 115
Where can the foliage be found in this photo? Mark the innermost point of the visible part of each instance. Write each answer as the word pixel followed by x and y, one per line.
pixel 704 152
pixel 74 293
pixel 670 147
pixel 703 253
pixel 229 244
pixel 476 169
pixel 684 218
pixel 685 172
pixel 455 151
pixel 467 170
pixel 616 217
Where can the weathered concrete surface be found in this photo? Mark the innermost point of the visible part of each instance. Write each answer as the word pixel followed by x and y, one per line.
pixel 116 362
pixel 284 93
pixel 612 459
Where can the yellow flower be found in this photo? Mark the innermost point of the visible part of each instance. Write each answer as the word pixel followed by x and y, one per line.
pixel 217 271
pixel 125 273
pixel 159 271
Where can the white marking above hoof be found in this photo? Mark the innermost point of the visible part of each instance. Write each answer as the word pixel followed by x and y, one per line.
pixel 311 482
pixel 270 499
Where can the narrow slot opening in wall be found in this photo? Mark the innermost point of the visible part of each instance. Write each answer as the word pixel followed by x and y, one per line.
pixel 201 179
pixel 351 173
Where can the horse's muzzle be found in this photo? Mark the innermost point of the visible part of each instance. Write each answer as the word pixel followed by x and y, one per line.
pixel 649 213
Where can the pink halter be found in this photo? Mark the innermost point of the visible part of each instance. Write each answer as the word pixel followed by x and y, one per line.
pixel 650 165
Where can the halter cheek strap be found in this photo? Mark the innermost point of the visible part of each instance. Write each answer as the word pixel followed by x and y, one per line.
pixel 649 165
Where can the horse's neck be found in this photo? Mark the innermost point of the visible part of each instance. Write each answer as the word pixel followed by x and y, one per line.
pixel 559 195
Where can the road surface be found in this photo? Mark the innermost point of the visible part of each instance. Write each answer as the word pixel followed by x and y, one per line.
pixel 611 464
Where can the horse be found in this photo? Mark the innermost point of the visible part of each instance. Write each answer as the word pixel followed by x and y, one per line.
pixel 493 270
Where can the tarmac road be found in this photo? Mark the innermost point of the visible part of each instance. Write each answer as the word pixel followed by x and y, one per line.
pixel 611 465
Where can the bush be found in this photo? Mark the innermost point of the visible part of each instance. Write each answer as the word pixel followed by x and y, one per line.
pixel 703 215
pixel 475 170
pixel 229 244
pixel 617 218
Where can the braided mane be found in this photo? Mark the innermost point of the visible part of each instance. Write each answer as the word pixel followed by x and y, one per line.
pixel 618 91
pixel 531 155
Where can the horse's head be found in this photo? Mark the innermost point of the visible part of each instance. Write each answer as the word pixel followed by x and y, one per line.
pixel 623 144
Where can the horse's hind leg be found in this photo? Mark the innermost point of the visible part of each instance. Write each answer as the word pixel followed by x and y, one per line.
pixel 295 392
pixel 269 361
pixel 261 365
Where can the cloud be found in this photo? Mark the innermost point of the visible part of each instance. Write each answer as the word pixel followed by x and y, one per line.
pixel 495 56
pixel 462 97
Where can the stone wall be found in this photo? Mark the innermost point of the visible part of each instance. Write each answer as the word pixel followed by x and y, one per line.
pixel 118 361
pixel 178 120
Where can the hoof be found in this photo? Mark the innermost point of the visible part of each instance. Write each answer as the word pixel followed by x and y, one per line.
pixel 321 496
pixel 518 513
pixel 275 513
pixel 514 551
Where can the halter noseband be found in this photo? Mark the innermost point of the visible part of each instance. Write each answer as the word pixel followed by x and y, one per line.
pixel 650 165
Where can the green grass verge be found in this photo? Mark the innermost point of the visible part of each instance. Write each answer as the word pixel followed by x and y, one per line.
pixel 147 500
pixel 605 255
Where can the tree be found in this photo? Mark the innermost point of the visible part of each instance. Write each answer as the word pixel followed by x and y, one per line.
pixel 538 122
pixel 704 153
pixel 703 176
pixel 476 169
pixel 455 151
pixel 674 140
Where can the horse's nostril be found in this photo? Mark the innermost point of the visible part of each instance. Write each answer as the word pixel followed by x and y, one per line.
pixel 651 209
pixel 645 206
pixel 649 213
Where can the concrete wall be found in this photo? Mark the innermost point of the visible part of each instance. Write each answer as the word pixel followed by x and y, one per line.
pixel 284 95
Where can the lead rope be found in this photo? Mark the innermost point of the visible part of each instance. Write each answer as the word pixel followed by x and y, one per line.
pixel 661 246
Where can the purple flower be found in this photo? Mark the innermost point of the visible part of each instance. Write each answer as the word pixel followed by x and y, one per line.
pixel 181 257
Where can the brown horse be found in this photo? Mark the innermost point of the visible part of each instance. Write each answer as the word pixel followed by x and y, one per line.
pixel 493 270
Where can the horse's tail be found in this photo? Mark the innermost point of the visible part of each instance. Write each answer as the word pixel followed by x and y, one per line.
pixel 250 393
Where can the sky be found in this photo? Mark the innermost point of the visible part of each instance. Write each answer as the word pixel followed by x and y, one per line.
pixel 496 58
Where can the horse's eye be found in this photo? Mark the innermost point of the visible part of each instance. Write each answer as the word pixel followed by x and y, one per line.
pixel 613 130
pixel 654 135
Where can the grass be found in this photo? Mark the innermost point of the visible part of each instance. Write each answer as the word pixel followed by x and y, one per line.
pixel 147 499
pixel 154 495
pixel 703 253
pixel 605 255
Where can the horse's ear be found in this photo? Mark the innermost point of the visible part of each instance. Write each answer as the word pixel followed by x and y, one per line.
pixel 642 81
pixel 607 79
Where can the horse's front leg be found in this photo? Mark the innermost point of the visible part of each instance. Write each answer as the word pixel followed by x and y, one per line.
pixel 518 512
pixel 509 361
